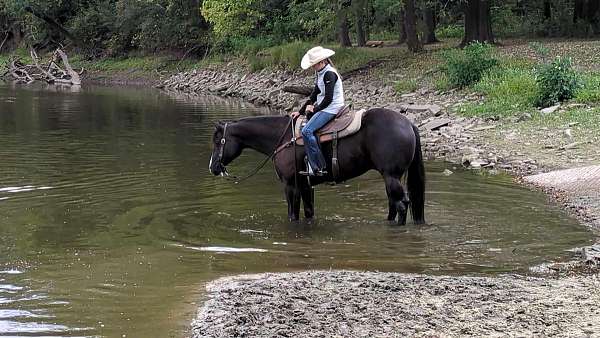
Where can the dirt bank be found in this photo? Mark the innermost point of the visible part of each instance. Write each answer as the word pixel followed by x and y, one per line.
pixel 369 304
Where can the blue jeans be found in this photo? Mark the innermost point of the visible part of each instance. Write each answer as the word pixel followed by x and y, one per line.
pixel 315 157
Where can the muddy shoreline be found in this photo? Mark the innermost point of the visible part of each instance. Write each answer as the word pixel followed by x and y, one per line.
pixel 375 304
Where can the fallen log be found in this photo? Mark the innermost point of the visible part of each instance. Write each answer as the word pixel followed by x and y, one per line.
pixel 75 80
pixel 302 90
pixel 51 72
pixel 306 90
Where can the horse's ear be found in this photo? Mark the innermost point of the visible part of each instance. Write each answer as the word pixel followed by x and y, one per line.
pixel 219 124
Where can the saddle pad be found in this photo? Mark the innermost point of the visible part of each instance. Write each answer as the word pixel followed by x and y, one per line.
pixel 345 125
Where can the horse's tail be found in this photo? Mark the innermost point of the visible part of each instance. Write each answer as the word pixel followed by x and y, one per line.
pixel 416 182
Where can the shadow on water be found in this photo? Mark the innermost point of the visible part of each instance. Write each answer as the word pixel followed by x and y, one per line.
pixel 110 223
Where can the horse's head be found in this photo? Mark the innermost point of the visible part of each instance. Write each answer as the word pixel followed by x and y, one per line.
pixel 226 147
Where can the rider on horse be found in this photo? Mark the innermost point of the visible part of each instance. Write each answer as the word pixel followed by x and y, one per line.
pixel 326 99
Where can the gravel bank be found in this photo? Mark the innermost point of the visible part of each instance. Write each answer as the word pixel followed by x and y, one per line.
pixel 373 304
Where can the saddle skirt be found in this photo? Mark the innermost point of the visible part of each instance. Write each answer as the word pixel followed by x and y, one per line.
pixel 345 123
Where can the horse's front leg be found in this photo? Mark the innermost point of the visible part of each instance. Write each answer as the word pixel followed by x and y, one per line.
pixel 292 195
pixel 308 201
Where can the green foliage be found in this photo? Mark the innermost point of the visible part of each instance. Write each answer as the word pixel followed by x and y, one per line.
pixel 94 25
pixel 508 91
pixel 450 31
pixel 112 27
pixel 465 67
pixel 589 92
pixel 504 22
pixel 232 17
pixel 406 86
pixel 557 82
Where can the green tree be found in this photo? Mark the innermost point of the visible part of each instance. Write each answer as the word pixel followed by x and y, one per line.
pixel 232 17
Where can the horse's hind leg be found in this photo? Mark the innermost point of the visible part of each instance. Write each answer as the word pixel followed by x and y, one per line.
pixel 397 199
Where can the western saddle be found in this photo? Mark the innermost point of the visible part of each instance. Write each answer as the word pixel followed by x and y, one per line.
pixel 345 123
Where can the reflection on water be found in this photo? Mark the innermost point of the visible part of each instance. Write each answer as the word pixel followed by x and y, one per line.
pixel 110 223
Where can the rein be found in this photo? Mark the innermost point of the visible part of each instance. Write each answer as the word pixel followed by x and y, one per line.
pixel 278 148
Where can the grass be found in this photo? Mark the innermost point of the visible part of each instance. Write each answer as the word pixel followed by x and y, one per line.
pixel 406 86
pixel 508 91
pixel 589 92
pixel 140 64
pixel 288 56
pixel 512 88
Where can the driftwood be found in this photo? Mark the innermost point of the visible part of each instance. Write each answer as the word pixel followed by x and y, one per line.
pixel 374 43
pixel 50 72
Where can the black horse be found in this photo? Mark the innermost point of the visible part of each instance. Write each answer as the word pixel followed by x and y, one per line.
pixel 387 142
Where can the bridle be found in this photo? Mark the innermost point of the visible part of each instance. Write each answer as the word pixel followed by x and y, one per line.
pixel 223 142
pixel 277 149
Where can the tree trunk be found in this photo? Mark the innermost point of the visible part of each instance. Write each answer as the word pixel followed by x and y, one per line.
pixel 343 25
pixel 401 28
pixel 478 24
pixel 410 23
pixel 360 12
pixel 547 9
pixel 344 34
pixel 579 10
pixel 594 15
pixel 343 30
pixel 430 22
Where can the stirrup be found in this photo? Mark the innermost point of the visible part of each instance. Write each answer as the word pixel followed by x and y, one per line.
pixel 317 173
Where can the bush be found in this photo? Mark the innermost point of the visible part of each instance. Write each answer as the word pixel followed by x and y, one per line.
pixel 465 67
pixel 557 82
pixel 450 31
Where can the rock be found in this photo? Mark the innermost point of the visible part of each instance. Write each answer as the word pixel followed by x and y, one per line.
pixel 447 172
pixel 483 128
pixel 571 145
pixel 575 105
pixel 550 110
pixel 433 109
pixel 524 117
pixel 478 163
pixel 436 124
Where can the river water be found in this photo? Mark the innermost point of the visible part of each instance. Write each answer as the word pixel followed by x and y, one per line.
pixel 110 224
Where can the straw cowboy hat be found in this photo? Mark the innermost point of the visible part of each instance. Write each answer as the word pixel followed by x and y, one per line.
pixel 314 56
